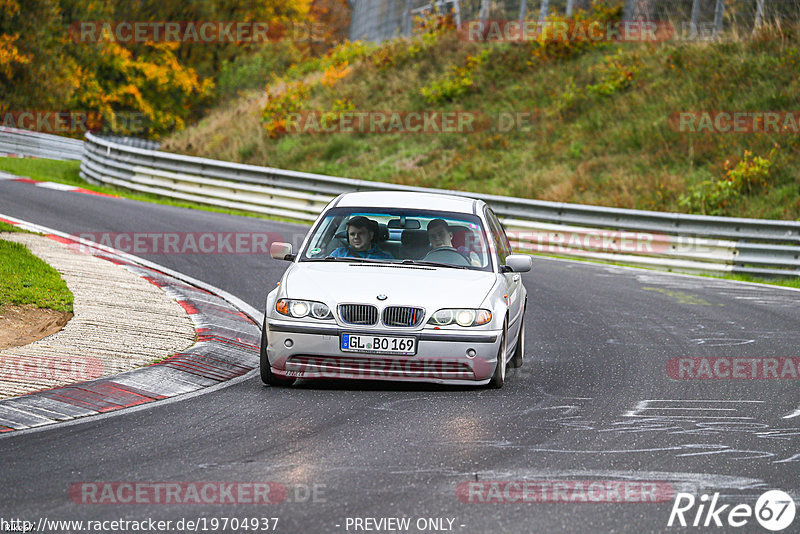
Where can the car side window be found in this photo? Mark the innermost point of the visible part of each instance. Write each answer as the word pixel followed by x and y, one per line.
pixel 499 236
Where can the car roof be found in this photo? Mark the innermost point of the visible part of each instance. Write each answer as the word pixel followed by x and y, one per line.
pixel 408 199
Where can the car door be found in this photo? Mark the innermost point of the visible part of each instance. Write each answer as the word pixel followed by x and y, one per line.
pixel 513 280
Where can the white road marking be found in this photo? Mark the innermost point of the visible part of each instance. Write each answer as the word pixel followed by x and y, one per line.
pixel 646 407
pixel 793 414
pixel 53 185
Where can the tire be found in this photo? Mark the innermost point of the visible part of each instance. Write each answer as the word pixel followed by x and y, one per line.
pixel 266 371
pixel 499 376
pixel 519 352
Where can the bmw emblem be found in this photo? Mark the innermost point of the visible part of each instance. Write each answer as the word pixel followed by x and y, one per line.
pixel 382 297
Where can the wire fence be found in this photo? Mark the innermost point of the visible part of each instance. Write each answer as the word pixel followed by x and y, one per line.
pixel 379 20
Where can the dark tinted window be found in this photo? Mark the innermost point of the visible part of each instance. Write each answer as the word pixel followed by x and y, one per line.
pixel 498 236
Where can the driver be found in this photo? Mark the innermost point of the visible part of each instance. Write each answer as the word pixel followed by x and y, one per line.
pixel 360 235
pixel 439 234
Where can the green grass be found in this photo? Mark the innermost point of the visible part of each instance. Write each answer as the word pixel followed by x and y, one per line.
pixel 26 279
pixel 793 282
pixel 593 140
pixel 50 170
pixel 5 227
pixel 786 282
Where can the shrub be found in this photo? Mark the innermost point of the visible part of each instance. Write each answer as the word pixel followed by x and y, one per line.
pixel 549 47
pixel 714 197
pixel 459 81
pixel 330 119
pixel 615 74
pixel 277 107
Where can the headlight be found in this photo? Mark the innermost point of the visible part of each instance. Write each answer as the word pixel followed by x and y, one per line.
pixel 442 317
pixel 298 308
pixel 465 317
pixel 461 317
pixel 303 308
pixel 320 311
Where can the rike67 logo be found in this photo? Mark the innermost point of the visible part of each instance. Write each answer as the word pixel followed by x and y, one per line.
pixel 774 510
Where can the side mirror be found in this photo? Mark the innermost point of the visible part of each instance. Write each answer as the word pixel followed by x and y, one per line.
pixel 281 251
pixel 519 263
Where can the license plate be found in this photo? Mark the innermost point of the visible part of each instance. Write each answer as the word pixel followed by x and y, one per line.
pixel 379 344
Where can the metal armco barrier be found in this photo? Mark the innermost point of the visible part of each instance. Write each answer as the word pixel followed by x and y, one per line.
pixel 25 143
pixel 673 241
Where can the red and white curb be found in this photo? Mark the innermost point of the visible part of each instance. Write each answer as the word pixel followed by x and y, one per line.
pixel 227 347
pixel 52 185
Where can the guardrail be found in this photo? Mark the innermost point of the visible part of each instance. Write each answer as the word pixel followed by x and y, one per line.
pixel 680 242
pixel 15 142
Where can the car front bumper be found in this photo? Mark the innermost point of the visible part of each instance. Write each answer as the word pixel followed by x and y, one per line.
pixel 443 356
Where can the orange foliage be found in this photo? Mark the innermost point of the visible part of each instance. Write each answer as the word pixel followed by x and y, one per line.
pixel 144 89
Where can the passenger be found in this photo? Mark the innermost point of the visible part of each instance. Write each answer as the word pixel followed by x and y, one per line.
pixel 360 236
pixel 442 249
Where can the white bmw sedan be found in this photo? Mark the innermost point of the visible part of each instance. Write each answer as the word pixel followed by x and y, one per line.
pixel 398 286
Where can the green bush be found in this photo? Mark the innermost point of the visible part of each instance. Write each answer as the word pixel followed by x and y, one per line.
pixel 256 70
pixel 714 197
pixel 459 81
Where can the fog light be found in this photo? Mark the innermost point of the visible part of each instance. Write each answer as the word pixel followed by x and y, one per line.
pixel 288 343
pixel 471 353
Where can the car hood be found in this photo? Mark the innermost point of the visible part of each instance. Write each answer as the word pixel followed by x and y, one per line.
pixel 335 283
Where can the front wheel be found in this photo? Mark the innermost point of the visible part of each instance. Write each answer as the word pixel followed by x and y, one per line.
pixel 499 376
pixel 266 371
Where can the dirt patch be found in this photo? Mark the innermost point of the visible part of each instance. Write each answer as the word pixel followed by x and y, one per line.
pixel 20 325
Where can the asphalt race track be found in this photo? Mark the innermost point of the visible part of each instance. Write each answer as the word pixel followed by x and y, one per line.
pixel 593 404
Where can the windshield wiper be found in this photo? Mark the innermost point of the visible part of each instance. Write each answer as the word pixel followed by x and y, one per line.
pixel 338 258
pixel 433 264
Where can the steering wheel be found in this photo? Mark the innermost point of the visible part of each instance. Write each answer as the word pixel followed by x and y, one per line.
pixel 447 255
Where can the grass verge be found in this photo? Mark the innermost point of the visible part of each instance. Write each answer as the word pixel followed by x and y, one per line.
pixel 5 227
pixel 784 282
pixel 598 123
pixel 26 279
pixel 51 170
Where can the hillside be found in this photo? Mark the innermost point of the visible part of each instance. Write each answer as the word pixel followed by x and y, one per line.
pixel 601 121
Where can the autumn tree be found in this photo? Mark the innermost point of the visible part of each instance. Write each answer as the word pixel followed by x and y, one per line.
pixel 140 88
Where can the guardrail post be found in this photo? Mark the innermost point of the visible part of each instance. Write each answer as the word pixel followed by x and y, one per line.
pixel 719 11
pixel 543 9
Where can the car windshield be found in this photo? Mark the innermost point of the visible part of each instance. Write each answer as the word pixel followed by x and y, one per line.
pixel 421 237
